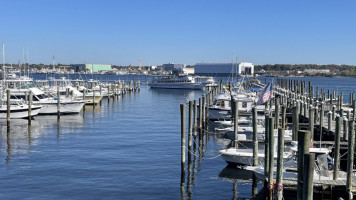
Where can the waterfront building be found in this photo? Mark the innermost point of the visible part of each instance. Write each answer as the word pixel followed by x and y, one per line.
pixel 188 70
pixel 93 68
pixel 172 66
pixel 224 69
pixel 317 71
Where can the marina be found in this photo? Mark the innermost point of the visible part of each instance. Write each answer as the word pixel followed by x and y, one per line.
pixel 187 100
pixel 87 143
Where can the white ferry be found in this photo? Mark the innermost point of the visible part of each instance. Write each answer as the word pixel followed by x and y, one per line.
pixel 180 82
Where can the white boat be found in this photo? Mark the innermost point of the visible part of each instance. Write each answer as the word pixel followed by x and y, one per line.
pixel 179 82
pixel 221 108
pixel 244 157
pixel 20 86
pixel 18 111
pixel 65 85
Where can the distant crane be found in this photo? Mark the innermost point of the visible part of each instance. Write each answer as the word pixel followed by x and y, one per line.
pixel 139 67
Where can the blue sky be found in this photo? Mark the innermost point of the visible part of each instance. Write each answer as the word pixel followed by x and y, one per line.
pixel 120 32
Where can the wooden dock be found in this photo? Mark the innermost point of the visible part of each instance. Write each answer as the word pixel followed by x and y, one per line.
pixel 313 117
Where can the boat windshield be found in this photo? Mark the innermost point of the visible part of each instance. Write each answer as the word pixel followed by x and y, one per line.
pixel 42 96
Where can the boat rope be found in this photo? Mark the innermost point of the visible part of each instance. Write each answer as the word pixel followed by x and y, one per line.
pixel 203 158
pixel 242 144
pixel 213 157
pixel 344 154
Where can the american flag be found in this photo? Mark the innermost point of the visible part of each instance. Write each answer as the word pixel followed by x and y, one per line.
pixel 266 94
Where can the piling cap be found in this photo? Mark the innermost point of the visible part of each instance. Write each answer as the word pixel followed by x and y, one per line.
pixel 345 118
pixel 330 112
pixel 337 115
pixel 334 106
pixel 311 106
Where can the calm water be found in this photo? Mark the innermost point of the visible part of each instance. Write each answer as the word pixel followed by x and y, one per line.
pixel 125 149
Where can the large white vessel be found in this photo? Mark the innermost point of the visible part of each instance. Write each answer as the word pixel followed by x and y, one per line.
pixel 180 82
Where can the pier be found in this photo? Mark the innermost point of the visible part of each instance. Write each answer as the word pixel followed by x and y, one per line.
pixel 317 118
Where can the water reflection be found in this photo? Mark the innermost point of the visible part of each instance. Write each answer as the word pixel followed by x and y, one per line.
pixel 20 134
pixel 188 94
pixel 245 177
pixel 8 149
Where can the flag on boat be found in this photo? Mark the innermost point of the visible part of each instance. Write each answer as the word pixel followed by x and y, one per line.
pixel 266 94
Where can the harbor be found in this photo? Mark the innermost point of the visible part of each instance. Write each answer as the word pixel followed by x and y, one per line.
pixel 187 100
pixel 139 124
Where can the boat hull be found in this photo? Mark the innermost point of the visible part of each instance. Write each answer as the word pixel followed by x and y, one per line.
pixel 19 113
pixel 238 157
pixel 65 107
pixel 89 99
pixel 177 86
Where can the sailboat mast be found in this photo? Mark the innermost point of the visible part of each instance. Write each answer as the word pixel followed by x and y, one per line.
pixel 53 63
pixel 28 66
pixel 232 69
pixel 3 62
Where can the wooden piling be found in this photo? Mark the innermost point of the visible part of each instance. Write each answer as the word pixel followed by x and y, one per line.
pixel 8 105
pixel 305 109
pixel 354 109
pixel 276 113
pixel 333 111
pixel 30 108
pixel 337 147
pixel 200 114
pixel 195 117
pixel 254 137
pixel 284 116
pixel 279 178
pixel 329 122
pixel 93 97
pixel 182 117
pixel 271 154
pixel 309 159
pixel 295 125
pixel 190 124
pixel 350 157
pixel 351 99
pixel 346 135
pixel 58 103
pixel 341 99
pixel 321 120
pixel 236 117
pixel 303 148
pixel 266 165
pixel 203 101
pixel 84 91
pixel 26 97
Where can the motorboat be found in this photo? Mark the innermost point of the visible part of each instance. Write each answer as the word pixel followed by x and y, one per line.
pixel 20 89
pixel 64 86
pixel 18 110
pixel 221 108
